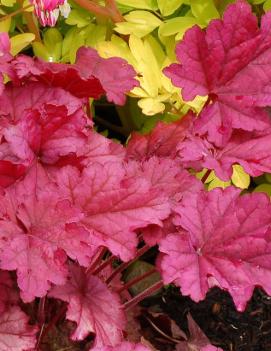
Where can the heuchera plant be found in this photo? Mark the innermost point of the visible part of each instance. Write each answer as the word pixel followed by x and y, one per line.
pixel 73 203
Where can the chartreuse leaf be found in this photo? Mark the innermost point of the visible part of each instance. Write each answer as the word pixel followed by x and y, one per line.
pixel 148 58
pixel 167 7
pixel 8 3
pixel 263 188
pixel 176 26
pixel 139 23
pixel 41 51
pixel 204 10
pixel 20 41
pixel 5 25
pixel 218 183
pixel 239 177
pixel 267 177
pixel 267 5
pixel 140 4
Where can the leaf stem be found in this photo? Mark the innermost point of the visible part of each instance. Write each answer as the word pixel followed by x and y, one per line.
pixel 135 300
pixel 103 265
pixel 31 25
pixel 97 259
pixel 124 265
pixel 136 280
pixel 110 10
pixel 206 175
pixel 14 13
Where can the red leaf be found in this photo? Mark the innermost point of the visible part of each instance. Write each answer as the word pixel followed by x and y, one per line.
pixel 230 62
pixel 92 306
pixel 226 243
pixel 15 333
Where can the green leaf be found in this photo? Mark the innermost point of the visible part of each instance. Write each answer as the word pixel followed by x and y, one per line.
pixel 204 10
pixel 218 183
pixel 73 40
pixel 53 40
pixel 139 23
pixel 240 178
pixel 20 41
pixel 95 35
pixel 41 51
pixel 79 18
pixel 140 4
pixel 263 188
pixel 168 7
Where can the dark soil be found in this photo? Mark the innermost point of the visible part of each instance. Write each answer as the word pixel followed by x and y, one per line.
pixel 218 318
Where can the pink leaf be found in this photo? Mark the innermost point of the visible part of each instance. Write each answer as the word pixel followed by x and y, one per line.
pixel 226 242
pixel 15 333
pixel 124 346
pixel 37 232
pixel 168 178
pixel 114 205
pixel 92 306
pixel 230 62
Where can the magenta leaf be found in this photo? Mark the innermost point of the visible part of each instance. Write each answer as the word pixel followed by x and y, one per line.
pixel 230 62
pixel 115 74
pixel 15 332
pixel 124 346
pixel 162 141
pixel 90 76
pixel 114 204
pixel 250 150
pixel 92 306
pixel 226 243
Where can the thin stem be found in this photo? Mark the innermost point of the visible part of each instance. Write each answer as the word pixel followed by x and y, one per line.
pixel 41 310
pixel 137 279
pixel 111 126
pixel 116 16
pixel 54 320
pixel 110 10
pixel 135 300
pixel 14 13
pixel 103 265
pixel 124 265
pixel 161 332
pixel 206 175
pixel 98 258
